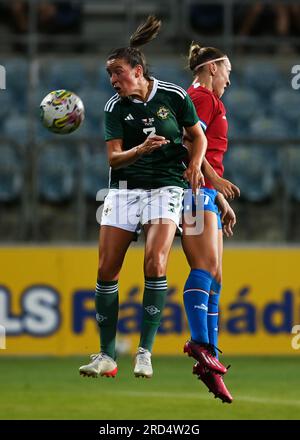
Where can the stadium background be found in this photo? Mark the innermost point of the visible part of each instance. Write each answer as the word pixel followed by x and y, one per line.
pixel 48 229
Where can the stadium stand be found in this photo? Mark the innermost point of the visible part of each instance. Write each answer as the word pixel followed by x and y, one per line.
pixel 12 192
pixel 253 169
pixel 56 174
pixel 290 160
pixel 262 112
pixel 56 191
pixel 262 77
pixel 287 99
pixel 11 174
pixel 15 126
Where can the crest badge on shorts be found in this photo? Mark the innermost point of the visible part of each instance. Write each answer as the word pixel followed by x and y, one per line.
pixel 163 112
pixel 107 209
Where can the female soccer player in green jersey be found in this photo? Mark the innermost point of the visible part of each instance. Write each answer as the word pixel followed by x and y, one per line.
pixel 144 123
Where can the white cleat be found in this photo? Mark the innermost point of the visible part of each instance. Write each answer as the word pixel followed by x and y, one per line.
pixel 143 366
pixel 101 364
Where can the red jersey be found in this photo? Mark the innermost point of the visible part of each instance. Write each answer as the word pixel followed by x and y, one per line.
pixel 212 116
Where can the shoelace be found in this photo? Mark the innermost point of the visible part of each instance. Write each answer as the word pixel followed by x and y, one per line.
pixel 211 348
pixel 96 356
pixel 144 359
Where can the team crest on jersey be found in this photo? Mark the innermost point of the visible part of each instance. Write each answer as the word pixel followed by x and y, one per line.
pixel 163 112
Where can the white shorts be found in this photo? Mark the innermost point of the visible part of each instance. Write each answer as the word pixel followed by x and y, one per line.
pixel 129 208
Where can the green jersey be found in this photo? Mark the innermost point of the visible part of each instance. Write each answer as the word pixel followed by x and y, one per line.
pixel 167 110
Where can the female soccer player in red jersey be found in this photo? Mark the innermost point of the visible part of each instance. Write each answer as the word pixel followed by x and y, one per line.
pixel 211 70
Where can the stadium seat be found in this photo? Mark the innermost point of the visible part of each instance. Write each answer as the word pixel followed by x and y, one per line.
pixel 97 129
pixel 262 77
pixel 17 82
pixel 94 102
pixel 96 172
pixel 69 75
pixel 15 126
pixel 88 128
pixel 253 170
pixel 11 174
pixel 236 129
pixel 235 80
pixel 290 161
pixel 17 75
pixel 287 99
pixel 56 174
pixel 6 104
pixel 102 80
pixel 242 104
pixel 172 73
pixel 43 133
pixel 40 92
pixel 269 128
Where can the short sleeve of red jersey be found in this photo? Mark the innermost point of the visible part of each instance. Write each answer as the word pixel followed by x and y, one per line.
pixel 205 108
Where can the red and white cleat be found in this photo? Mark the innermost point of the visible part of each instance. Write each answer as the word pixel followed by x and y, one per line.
pixel 205 355
pixel 214 382
pixel 101 365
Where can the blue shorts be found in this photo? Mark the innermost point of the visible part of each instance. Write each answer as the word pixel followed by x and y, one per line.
pixel 208 202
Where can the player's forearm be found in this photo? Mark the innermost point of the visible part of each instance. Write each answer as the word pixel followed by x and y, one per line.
pixel 197 150
pixel 121 159
pixel 220 200
pixel 209 172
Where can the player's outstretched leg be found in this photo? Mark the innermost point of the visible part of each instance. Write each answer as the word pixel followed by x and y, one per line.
pixel 214 382
pixel 196 296
pixel 143 366
pixel 205 355
pixel 101 365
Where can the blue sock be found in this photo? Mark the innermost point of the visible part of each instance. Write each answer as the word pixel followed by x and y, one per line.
pixel 195 297
pixel 213 313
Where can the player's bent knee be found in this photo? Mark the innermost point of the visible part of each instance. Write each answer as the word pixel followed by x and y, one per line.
pixel 209 264
pixel 155 265
pixel 108 273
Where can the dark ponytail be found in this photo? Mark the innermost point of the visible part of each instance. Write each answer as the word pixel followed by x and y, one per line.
pixel 146 32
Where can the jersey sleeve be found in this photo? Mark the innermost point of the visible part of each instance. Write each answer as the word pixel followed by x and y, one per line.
pixel 187 114
pixel 205 108
pixel 113 128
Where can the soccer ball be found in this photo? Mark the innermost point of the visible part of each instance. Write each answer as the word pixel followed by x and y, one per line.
pixel 62 111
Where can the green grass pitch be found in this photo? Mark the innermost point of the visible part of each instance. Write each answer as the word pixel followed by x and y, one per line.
pixel 51 388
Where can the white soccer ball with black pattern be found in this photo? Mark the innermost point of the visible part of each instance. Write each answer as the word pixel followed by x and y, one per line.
pixel 62 111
